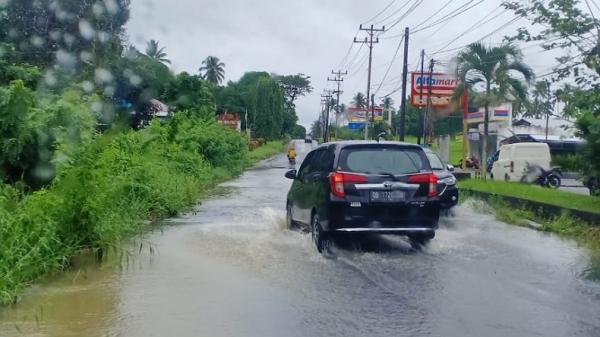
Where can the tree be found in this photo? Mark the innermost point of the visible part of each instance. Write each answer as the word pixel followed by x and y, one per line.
pixel 156 53
pixel 316 129
pixel 71 33
pixel 542 101
pixel 359 100
pixel 494 68
pixel 269 107
pixel 294 86
pixel 213 70
pixel 388 107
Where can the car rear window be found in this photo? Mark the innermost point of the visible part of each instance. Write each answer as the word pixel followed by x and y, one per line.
pixel 435 161
pixel 383 159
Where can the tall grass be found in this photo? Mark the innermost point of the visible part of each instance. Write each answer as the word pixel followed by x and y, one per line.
pixel 108 189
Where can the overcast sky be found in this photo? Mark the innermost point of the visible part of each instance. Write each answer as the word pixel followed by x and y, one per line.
pixel 314 36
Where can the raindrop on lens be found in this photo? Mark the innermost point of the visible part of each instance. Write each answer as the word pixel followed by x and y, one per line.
pixel 50 79
pixel 111 6
pixel 66 59
pixel 103 37
pixel 96 107
pixel 102 75
pixel 86 30
pixel 37 41
pixel 69 39
pixel 98 9
pixel 87 86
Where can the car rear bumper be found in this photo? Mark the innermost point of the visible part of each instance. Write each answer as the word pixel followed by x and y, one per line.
pixel 449 197
pixel 389 219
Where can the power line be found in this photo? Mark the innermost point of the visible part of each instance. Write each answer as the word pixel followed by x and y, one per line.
pixel 390 65
pixel 381 12
pixel 392 14
pixel 444 6
pixel 449 16
pixel 416 4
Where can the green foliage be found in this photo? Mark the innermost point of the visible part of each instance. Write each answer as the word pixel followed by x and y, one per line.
pixel 269 109
pixel 40 28
pixel 109 187
pixel 294 86
pixel 155 52
pixel 359 100
pixel 534 193
pixel 569 162
pixel 190 93
pixel 267 150
pixel 38 133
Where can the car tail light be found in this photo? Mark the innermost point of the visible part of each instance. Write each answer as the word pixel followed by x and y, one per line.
pixel 338 179
pixel 512 167
pixel 427 178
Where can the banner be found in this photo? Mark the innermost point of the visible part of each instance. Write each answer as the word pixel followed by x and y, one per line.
pixel 360 114
pixel 440 86
pixel 497 114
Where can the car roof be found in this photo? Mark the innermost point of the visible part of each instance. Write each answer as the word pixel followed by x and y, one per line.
pixel 345 143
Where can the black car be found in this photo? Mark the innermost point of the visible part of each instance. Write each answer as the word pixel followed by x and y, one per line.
pixel 360 187
pixel 308 139
pixel 447 190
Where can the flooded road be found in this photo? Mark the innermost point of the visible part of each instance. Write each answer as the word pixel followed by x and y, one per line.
pixel 230 268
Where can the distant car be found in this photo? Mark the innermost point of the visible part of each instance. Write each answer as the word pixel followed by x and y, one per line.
pixel 364 187
pixel 521 162
pixel 308 139
pixel 447 190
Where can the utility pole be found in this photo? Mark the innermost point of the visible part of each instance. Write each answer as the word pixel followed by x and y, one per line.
pixel 338 79
pixel 404 80
pixel 327 97
pixel 426 125
pixel 421 117
pixel 369 41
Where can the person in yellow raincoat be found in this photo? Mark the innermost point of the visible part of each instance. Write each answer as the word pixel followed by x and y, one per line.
pixel 291 154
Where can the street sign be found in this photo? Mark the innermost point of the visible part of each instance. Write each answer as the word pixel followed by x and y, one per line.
pixel 356 125
pixel 441 86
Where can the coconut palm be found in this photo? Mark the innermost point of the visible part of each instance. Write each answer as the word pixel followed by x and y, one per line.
pixel 495 68
pixel 213 70
pixel 359 100
pixel 154 52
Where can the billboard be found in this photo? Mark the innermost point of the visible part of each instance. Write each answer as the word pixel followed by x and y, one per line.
pixel 502 113
pixel 360 114
pixel 441 86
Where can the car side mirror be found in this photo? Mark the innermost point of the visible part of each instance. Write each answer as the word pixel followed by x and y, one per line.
pixel 291 174
pixel 450 167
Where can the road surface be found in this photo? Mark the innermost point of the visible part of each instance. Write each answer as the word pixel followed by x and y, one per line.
pixel 230 268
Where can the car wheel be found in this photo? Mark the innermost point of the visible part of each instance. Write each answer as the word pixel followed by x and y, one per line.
pixel 291 224
pixel 554 182
pixel 319 237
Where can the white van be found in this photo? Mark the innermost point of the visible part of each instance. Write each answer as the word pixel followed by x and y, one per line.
pixel 521 162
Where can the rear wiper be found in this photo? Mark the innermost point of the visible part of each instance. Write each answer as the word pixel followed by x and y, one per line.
pixel 391 175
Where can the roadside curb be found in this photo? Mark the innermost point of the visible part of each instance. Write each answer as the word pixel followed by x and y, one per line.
pixel 547 210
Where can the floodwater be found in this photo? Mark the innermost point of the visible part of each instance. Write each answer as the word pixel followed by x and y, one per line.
pixel 230 268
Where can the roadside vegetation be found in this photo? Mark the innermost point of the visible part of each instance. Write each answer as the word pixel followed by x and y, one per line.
pixel 534 193
pixel 85 160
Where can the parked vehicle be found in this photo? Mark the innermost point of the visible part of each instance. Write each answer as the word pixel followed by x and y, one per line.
pixel 447 190
pixel 364 187
pixel 522 162
pixel 308 139
pixel 593 184
pixel 491 160
pixel 549 178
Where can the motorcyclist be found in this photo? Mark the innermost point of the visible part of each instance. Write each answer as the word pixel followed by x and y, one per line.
pixel 291 154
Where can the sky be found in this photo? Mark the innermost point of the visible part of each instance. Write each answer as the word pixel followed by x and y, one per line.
pixel 314 36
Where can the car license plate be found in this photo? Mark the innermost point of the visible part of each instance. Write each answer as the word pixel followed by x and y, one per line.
pixel 387 196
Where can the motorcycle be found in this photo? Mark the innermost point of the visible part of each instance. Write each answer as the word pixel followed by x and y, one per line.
pixel 292 160
pixel 549 178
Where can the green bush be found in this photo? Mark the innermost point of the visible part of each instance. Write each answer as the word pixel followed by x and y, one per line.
pixel 569 162
pixel 106 190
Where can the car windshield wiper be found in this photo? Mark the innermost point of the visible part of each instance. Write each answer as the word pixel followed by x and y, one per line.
pixel 391 175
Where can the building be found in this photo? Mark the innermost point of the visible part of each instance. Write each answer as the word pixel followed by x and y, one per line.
pixel 230 120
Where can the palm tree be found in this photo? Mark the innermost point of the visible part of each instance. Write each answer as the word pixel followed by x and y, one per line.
pixel 156 53
pixel 359 100
pixel 213 70
pixel 494 67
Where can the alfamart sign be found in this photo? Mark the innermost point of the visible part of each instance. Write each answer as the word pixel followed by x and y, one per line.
pixel 436 87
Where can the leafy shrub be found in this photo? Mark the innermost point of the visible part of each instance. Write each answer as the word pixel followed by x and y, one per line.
pixel 569 162
pixel 107 189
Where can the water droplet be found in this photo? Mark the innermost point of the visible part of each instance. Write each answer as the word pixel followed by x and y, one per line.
pixel 86 30
pixel 69 39
pixel 66 59
pixel 55 35
pixel 86 56
pixel 37 41
pixel 103 37
pixel 3 3
pixel 135 80
pixel 87 86
pixel 102 76
pixel 97 107
pixel 2 51
pixel 109 91
pixel 13 33
pixel 111 6
pixel 50 79
pixel 98 9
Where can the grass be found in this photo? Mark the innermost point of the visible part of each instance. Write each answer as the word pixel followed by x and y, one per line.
pixel 267 150
pixel 534 193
